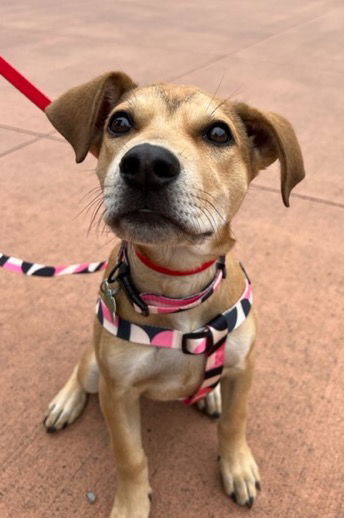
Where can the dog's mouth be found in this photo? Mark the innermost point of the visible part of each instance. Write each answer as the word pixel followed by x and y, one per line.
pixel 147 217
pixel 151 226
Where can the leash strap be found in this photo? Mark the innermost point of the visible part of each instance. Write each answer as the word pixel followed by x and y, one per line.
pixel 14 264
pixel 23 85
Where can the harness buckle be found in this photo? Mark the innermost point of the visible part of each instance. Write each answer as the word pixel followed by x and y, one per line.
pixel 205 333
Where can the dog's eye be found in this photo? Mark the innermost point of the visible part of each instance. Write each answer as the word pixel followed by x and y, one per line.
pixel 219 133
pixel 120 123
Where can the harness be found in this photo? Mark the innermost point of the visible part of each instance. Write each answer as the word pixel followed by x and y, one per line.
pixel 208 340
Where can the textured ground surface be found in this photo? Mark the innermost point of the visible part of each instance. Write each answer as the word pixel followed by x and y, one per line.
pixel 283 56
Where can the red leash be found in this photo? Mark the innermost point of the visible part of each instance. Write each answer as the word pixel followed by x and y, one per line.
pixel 18 265
pixel 23 85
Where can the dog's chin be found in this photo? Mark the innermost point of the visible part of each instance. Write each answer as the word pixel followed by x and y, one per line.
pixel 147 227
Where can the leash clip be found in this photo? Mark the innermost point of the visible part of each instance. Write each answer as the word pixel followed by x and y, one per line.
pixel 126 283
pixel 121 275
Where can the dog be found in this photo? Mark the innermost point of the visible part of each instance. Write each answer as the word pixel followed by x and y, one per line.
pixel 174 165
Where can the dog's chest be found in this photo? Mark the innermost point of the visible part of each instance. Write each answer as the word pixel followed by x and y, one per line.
pixel 165 374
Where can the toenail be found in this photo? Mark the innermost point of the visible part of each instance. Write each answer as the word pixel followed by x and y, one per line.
pixel 258 485
pixel 51 429
pixel 249 502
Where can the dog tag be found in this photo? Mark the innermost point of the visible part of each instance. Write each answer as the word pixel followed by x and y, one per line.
pixel 109 296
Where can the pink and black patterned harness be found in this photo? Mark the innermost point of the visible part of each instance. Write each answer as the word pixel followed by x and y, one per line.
pixel 209 340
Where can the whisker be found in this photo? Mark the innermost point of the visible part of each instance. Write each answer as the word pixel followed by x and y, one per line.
pixel 234 92
pixel 209 217
pixel 213 206
pixel 98 188
pixel 100 220
pixel 217 89
pixel 90 192
pixel 95 213
pixel 204 192
pixel 89 205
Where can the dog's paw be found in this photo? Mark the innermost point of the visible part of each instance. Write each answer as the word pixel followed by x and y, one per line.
pixel 211 404
pixel 138 506
pixel 240 476
pixel 66 406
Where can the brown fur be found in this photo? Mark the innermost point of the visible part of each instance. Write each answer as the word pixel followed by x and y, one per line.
pixel 198 209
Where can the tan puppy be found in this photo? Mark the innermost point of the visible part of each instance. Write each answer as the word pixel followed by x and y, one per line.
pixel 174 164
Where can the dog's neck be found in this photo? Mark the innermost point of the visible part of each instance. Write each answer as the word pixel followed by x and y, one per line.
pixel 174 258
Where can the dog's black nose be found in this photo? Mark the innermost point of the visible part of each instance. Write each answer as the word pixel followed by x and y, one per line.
pixel 149 167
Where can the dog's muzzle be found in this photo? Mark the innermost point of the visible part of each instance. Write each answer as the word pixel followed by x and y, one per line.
pixel 147 167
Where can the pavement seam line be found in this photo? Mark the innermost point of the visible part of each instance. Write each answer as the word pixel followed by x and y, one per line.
pixel 195 69
pixel 15 129
pixel 29 142
pixel 301 196
pixel 283 31
pixel 19 146
pixel 168 49
pixel 237 51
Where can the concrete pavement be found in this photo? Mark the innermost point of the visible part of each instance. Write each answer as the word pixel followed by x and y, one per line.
pixel 283 57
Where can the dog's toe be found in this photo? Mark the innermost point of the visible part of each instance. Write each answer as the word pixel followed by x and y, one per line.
pixel 211 404
pixel 240 477
pixel 64 409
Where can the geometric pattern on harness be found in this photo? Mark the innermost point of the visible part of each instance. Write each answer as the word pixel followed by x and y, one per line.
pixel 209 340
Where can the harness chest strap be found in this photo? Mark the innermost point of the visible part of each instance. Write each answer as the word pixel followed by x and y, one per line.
pixel 209 340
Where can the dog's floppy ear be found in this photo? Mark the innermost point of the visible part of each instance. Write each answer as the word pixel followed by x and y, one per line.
pixel 272 137
pixel 79 114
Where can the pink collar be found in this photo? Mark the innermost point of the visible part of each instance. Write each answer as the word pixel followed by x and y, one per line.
pixel 151 303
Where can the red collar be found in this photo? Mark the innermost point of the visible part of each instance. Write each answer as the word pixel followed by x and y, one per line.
pixel 162 269
pixel 152 303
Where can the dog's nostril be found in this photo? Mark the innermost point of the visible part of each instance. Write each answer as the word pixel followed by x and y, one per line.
pixel 130 165
pixel 164 169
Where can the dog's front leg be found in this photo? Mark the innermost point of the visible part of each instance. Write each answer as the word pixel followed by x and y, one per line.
pixel 239 470
pixel 122 413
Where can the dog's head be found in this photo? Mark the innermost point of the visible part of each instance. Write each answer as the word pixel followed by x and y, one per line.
pixel 173 161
